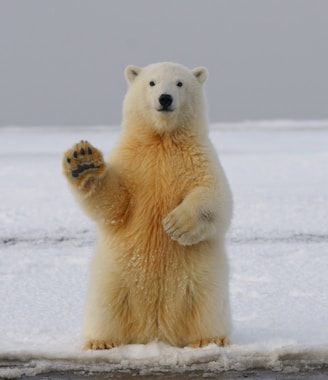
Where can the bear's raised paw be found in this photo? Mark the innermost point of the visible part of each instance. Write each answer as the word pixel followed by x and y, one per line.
pixel 83 159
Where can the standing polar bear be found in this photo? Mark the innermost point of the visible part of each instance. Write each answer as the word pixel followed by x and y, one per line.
pixel 162 205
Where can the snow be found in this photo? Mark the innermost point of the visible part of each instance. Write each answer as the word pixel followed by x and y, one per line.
pixel 277 249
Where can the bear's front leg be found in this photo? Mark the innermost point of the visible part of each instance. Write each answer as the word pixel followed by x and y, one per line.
pixel 194 220
pixel 98 187
pixel 83 166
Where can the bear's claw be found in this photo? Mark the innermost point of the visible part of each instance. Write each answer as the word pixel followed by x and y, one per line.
pixel 98 345
pixel 219 341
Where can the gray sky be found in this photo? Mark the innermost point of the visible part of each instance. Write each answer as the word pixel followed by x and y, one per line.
pixel 62 61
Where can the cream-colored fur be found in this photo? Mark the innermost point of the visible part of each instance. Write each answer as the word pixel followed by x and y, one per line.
pixel 162 205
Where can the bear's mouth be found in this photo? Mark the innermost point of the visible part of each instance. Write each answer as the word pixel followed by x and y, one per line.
pixel 165 109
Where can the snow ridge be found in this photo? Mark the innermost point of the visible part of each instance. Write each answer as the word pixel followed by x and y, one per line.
pixel 157 358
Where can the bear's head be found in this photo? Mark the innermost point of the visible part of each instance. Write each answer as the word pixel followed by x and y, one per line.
pixel 165 97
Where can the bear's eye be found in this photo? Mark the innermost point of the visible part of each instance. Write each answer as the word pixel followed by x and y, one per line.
pixel 151 83
pixel 179 84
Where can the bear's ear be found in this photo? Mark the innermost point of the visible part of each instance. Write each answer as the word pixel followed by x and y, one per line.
pixel 200 74
pixel 131 72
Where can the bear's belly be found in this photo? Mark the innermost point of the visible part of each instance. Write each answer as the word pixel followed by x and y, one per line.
pixel 156 189
pixel 145 243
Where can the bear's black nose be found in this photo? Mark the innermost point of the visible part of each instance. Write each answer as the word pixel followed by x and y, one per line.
pixel 165 100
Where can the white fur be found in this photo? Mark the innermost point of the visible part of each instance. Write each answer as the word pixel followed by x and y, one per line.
pixel 188 100
pixel 162 205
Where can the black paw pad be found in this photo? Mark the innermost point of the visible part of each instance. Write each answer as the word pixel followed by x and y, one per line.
pixel 81 168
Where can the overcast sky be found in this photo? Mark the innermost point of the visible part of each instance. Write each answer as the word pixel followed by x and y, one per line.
pixel 62 61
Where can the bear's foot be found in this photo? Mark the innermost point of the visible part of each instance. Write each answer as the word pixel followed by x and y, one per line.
pixel 219 341
pixel 98 345
pixel 82 163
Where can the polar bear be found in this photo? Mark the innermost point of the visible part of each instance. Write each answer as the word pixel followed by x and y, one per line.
pixel 162 205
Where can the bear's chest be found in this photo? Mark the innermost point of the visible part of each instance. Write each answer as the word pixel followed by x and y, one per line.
pixel 165 174
pixel 158 178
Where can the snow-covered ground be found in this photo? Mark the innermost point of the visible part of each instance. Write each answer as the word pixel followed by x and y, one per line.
pixel 278 250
